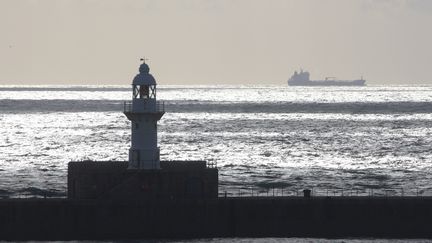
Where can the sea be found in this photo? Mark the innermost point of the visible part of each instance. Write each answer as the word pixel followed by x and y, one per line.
pixel 265 140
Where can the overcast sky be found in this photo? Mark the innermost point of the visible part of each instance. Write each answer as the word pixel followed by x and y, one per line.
pixel 215 41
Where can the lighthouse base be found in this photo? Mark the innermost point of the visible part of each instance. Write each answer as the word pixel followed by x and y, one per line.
pixel 113 180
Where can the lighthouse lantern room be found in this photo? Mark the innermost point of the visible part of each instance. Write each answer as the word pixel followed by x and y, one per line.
pixel 144 112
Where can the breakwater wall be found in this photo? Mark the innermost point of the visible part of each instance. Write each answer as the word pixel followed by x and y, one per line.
pixel 331 217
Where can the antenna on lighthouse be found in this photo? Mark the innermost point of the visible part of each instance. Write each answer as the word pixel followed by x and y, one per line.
pixel 144 59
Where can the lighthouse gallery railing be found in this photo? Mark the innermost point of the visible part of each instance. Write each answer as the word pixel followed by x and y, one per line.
pixel 158 107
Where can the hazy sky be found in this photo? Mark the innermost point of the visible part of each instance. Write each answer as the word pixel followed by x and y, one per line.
pixel 214 41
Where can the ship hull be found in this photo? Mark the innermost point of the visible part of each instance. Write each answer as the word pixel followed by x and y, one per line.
pixel 329 83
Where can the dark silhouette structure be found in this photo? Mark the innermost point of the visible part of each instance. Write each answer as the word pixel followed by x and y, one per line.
pixel 113 181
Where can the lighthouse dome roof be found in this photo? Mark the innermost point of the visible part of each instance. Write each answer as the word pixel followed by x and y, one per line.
pixel 144 77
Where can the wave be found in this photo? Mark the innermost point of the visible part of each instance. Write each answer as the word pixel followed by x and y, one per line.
pixel 8 106
pixel 109 88
pixel 40 192
pixel 65 88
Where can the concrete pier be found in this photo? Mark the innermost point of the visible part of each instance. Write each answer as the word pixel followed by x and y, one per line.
pixel 330 217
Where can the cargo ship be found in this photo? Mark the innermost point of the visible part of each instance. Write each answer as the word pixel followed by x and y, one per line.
pixel 302 78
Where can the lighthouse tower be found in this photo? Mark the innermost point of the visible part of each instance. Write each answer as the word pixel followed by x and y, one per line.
pixel 144 112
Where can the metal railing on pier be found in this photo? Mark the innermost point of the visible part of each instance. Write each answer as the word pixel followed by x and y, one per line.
pixel 211 164
pixel 288 192
pixel 272 192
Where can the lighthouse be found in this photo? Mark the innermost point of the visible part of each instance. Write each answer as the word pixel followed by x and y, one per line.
pixel 144 112
pixel 143 176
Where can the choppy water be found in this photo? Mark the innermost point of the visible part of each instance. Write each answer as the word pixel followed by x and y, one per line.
pixel 333 139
